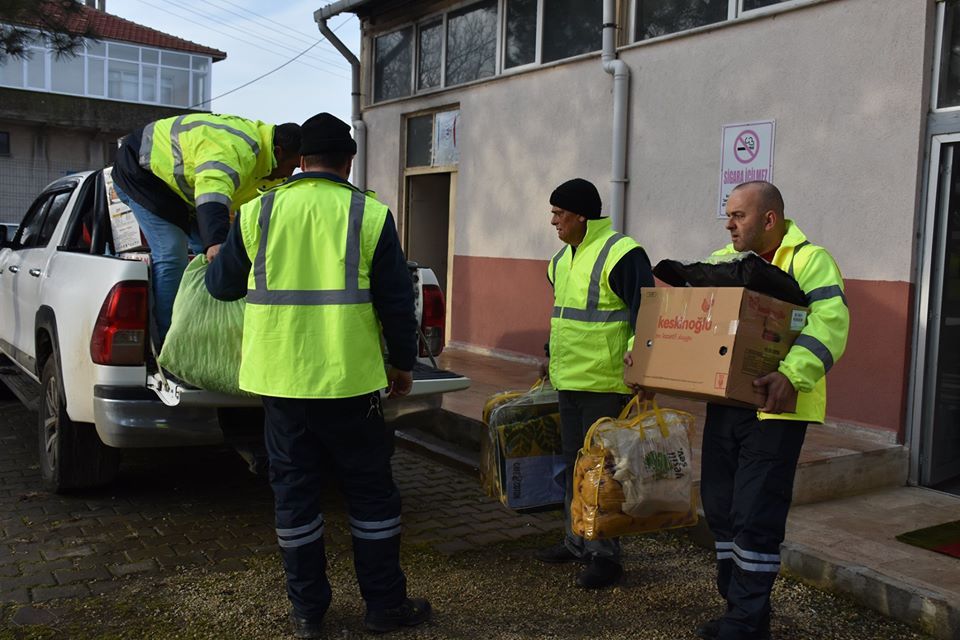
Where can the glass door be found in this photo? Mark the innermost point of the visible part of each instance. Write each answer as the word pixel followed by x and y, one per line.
pixel 940 466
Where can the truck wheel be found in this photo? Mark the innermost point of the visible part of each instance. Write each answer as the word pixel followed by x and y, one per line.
pixel 71 453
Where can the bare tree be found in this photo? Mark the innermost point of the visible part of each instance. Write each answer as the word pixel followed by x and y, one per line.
pixel 472 43
pixel 58 24
pixel 657 18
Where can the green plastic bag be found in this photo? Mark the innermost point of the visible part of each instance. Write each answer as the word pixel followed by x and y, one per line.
pixel 204 342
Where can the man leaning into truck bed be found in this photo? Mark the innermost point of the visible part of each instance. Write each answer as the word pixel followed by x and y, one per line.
pixel 182 176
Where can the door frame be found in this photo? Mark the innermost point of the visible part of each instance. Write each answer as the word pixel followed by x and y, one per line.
pixel 928 307
pixel 451 228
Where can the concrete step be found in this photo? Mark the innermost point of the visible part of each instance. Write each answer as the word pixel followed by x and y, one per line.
pixel 850 474
pixel 825 472
pixel 849 546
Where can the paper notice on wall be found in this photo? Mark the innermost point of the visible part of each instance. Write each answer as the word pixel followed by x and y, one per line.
pixel 445 149
pixel 126 231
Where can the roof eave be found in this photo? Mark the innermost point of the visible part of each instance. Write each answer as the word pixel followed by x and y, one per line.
pixel 336 8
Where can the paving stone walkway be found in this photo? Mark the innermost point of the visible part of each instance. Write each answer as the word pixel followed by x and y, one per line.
pixel 197 507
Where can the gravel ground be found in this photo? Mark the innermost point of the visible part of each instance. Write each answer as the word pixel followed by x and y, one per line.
pixel 500 592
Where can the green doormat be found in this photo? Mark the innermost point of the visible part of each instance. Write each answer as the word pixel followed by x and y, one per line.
pixel 943 538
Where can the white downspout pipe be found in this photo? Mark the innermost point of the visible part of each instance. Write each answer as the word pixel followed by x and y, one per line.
pixel 359 127
pixel 621 94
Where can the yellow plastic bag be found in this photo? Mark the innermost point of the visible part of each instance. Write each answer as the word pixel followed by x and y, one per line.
pixel 634 474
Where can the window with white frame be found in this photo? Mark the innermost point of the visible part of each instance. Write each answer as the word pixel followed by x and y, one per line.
pixel 520 46
pixel 747 5
pixel 948 87
pixel 471 43
pixel 488 37
pixel 432 140
pixel 393 65
pixel 550 30
pixel 429 54
pixel 116 71
pixel 571 27
pixel 653 18
pixel 465 44
pixel 660 17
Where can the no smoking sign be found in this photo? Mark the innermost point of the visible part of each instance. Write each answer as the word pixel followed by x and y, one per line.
pixel 746 155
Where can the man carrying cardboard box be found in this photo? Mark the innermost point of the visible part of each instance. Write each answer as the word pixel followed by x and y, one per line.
pixel 596 281
pixel 750 457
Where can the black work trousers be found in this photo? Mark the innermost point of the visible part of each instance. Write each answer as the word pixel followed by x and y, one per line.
pixel 349 435
pixel 746 486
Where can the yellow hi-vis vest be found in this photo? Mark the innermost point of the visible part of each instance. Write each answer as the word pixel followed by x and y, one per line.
pixel 205 157
pixel 824 338
pixel 590 327
pixel 310 329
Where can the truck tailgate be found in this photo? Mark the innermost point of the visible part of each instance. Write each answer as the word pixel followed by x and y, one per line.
pixel 426 381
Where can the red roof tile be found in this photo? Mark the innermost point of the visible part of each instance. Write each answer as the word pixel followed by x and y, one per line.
pixel 110 27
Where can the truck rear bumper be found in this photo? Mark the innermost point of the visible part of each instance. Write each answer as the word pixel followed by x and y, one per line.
pixel 133 417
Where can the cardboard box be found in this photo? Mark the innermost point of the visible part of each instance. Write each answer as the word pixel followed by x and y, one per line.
pixel 711 343
pixel 126 231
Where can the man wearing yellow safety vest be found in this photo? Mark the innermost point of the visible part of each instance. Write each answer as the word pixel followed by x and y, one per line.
pixel 749 456
pixel 182 177
pixel 596 281
pixel 320 265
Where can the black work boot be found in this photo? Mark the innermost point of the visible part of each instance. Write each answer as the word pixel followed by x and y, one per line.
pixel 303 628
pixel 557 554
pixel 709 629
pixel 411 612
pixel 600 572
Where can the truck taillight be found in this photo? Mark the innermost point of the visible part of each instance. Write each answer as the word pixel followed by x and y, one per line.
pixel 433 321
pixel 120 334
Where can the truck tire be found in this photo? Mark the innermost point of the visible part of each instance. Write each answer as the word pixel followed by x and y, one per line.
pixel 72 455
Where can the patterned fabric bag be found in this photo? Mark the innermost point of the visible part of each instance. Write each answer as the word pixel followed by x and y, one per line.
pixel 521 462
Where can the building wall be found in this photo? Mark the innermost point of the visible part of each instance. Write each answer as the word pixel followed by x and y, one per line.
pixel 846 82
pixel 53 135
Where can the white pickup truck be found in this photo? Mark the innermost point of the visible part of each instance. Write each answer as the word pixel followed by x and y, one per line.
pixel 74 343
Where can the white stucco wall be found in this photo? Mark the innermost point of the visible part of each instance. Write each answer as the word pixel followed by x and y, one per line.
pixel 844 80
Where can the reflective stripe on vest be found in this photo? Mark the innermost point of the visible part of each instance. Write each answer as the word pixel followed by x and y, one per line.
pixel 146 145
pixel 794 256
pixel 817 348
pixel 350 294
pixel 553 268
pixel 592 313
pixel 146 152
pixel 825 293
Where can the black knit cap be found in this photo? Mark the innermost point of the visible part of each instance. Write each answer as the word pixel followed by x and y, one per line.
pixel 577 196
pixel 324 133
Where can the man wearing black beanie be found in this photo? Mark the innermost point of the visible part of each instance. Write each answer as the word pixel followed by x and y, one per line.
pixel 320 265
pixel 596 281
